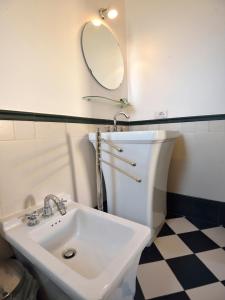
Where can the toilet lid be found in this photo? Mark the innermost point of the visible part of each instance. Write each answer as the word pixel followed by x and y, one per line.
pixel 11 274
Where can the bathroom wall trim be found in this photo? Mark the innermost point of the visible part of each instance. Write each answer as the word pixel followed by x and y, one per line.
pixel 41 117
pixel 179 120
pixel 209 211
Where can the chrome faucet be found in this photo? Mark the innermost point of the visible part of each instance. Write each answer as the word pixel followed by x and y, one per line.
pixel 60 204
pixel 115 119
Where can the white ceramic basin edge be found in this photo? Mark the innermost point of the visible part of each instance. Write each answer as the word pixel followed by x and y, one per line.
pixel 147 136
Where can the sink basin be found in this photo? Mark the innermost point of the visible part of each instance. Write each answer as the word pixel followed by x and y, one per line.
pixel 106 248
pixel 95 246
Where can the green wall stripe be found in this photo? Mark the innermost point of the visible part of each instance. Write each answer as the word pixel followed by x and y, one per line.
pixel 180 120
pixel 41 117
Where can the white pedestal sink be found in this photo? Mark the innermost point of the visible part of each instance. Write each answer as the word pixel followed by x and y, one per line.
pixel 144 200
pixel 107 248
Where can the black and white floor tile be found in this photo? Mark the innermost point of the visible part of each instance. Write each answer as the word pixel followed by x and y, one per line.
pixel 186 262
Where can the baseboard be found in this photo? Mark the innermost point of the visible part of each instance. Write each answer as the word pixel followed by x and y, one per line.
pixel 207 210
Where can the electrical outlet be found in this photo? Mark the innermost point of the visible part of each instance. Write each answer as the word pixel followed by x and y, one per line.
pixel 162 114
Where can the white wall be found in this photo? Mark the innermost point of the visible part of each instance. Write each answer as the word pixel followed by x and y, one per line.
pixel 41 63
pixel 176 57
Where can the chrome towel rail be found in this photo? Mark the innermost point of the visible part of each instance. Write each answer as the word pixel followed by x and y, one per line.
pixel 99 171
pixel 99 161
pixel 132 163
pixel 112 145
pixel 121 171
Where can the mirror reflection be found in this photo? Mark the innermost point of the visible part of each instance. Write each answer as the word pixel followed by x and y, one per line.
pixel 103 55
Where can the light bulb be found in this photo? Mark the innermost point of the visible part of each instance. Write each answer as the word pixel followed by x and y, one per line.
pixel 96 22
pixel 112 14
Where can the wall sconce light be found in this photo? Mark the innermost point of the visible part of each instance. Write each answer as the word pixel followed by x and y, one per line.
pixel 108 13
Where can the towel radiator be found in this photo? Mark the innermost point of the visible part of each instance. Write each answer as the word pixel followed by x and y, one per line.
pixel 99 161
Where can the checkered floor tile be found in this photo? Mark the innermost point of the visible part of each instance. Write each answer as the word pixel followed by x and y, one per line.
pixel 185 262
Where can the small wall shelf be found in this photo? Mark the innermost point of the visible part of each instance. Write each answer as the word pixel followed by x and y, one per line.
pixel 123 102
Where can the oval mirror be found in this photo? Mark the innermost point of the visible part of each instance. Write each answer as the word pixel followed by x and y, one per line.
pixel 103 55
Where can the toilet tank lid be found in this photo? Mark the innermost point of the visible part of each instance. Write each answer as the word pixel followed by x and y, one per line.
pixel 142 136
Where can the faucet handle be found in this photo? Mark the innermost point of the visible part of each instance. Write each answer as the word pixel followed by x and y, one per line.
pixel 32 218
pixel 62 205
pixel 62 200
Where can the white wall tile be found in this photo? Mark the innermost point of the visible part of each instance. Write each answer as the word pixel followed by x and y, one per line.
pixel 162 126
pixel 92 127
pixel 188 127
pixel 139 128
pixel 217 126
pixel 202 126
pixel 50 130
pixel 75 129
pixel 124 128
pixel 153 127
pixel 174 126
pixel 198 166
pixel 24 130
pixel 34 168
pixel 82 161
pixel 6 130
pixel 102 128
pixel 170 126
pixel 105 128
pixel 108 128
pixel 133 128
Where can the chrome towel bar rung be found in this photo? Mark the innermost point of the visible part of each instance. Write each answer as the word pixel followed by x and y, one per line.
pixel 112 145
pixel 139 180
pixel 132 163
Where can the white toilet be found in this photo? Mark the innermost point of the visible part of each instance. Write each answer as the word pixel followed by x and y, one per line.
pixel 140 197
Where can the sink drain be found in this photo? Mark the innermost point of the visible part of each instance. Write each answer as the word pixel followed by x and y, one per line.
pixel 69 253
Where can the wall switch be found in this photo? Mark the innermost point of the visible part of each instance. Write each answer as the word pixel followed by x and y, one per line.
pixel 162 114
